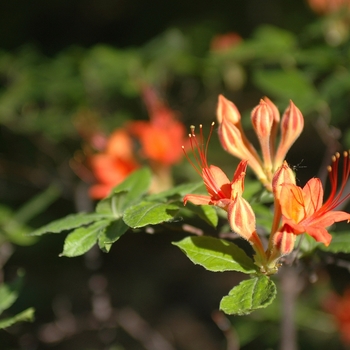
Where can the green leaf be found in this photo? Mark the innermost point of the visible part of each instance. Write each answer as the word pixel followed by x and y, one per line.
pixel 249 295
pixel 133 188
pixel 82 239
pixel 24 316
pixel 206 212
pixel 111 234
pixel 67 223
pixel 9 293
pixel 149 213
pixel 216 254
pixel 112 205
pixel 340 243
pixel 125 194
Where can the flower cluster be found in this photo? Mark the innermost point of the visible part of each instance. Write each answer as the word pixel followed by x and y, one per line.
pixel 128 147
pixel 297 210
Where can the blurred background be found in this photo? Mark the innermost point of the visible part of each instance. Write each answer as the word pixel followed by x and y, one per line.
pixel 74 73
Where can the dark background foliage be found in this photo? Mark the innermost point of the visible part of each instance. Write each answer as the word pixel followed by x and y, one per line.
pixel 54 25
pixel 144 279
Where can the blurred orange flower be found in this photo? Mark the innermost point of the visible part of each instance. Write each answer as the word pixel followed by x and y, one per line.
pixel 339 307
pixel 328 6
pixel 225 41
pixel 162 137
pixel 113 165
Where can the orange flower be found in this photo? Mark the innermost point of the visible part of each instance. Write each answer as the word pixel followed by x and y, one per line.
pixel 302 209
pixel 162 137
pixel 113 165
pixel 221 191
pixel 265 119
pixel 225 194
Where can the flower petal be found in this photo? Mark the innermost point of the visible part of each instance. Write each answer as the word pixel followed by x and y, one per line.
pixel 329 218
pixel 216 182
pixel 292 202
pixel 313 196
pixel 197 199
pixel 320 234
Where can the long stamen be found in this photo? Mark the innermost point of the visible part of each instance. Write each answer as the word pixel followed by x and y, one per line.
pixel 209 136
pixel 190 161
pixel 335 198
pixel 199 149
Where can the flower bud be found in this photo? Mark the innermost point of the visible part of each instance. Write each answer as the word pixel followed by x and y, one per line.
pixel 283 241
pixel 292 125
pixel 275 123
pixel 262 120
pixel 227 109
pixel 283 174
pixel 241 217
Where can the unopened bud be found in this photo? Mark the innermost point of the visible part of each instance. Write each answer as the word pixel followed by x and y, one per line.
pixel 292 125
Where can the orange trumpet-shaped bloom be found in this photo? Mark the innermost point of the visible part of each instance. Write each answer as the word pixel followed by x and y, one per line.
pixel 302 208
pixel 225 194
pixel 221 191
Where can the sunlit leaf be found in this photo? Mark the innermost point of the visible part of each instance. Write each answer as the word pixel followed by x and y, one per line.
pixel 111 234
pixel 249 295
pixel 67 223
pixel 216 254
pixel 149 213
pixel 82 239
pixel 133 188
pixel 206 212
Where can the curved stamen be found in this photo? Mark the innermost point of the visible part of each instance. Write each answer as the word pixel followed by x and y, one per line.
pixel 335 199
pixel 199 150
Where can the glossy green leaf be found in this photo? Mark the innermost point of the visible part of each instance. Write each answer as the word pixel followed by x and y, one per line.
pixel 340 243
pixel 112 205
pixel 134 187
pixel 111 234
pixel 249 295
pixel 24 316
pixel 82 239
pixel 125 194
pixel 149 213
pixel 206 212
pixel 67 223
pixel 216 254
